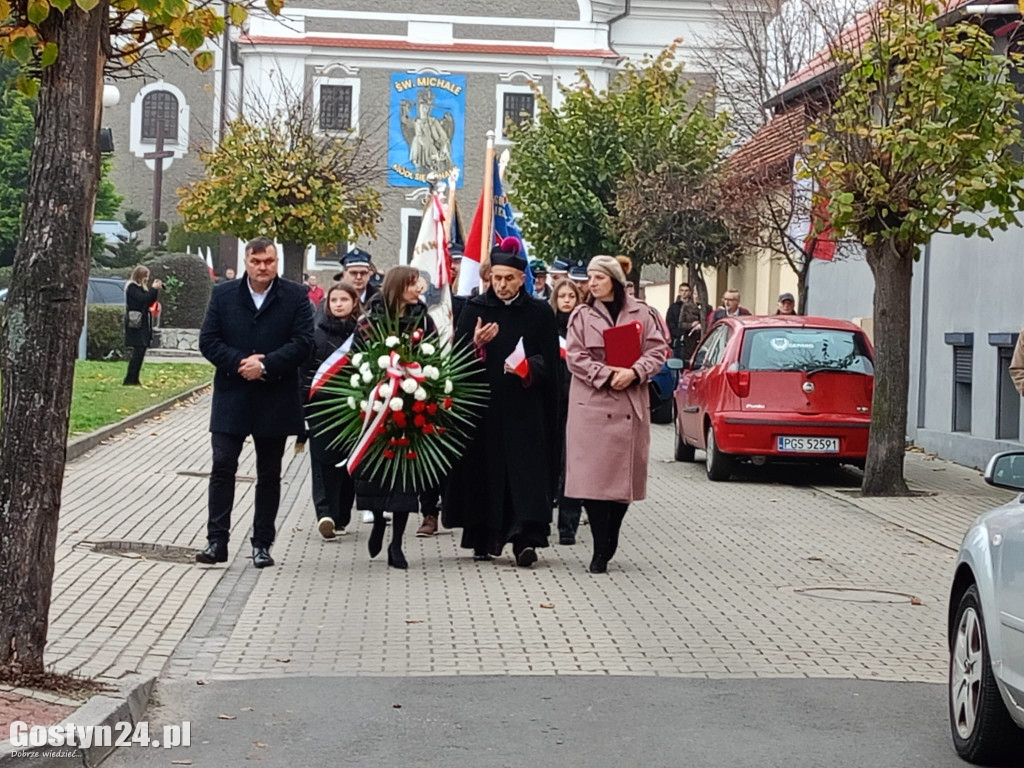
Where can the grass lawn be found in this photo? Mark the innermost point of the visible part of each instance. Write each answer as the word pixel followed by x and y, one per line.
pixel 100 398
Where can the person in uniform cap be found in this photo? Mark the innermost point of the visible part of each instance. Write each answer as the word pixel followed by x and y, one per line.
pixel 578 274
pixel 502 489
pixel 456 251
pixel 559 268
pixel 787 305
pixel 541 289
pixel 358 270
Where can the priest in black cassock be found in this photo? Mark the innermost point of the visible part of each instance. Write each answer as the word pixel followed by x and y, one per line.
pixel 502 489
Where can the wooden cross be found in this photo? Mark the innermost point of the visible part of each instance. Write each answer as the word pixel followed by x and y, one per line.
pixel 158 156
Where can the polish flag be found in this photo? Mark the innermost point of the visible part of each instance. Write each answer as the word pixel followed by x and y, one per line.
pixel 334 363
pixel 469 274
pixel 517 360
pixel 562 346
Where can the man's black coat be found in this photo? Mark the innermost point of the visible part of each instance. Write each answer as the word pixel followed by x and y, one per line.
pixel 282 330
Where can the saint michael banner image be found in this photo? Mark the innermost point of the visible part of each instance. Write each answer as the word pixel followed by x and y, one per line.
pixel 426 127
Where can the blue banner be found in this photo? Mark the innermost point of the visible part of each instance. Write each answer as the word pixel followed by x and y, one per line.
pixel 505 224
pixel 426 127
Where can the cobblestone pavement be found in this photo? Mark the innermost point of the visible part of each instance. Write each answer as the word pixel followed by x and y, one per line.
pixel 779 573
pixel 115 613
pixel 707 582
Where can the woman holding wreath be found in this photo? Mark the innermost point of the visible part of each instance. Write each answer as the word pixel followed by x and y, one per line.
pixel 397 303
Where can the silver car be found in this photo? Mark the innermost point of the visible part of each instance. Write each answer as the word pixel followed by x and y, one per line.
pixel 986 628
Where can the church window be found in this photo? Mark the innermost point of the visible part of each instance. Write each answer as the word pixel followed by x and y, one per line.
pixel 335 108
pixel 160 107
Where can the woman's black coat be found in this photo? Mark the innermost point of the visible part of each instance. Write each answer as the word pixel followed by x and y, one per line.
pixel 282 331
pixel 138 299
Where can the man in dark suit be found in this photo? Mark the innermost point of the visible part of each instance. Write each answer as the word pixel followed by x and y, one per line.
pixel 731 308
pixel 257 332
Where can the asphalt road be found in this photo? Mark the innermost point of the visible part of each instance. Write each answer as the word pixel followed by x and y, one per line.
pixel 546 721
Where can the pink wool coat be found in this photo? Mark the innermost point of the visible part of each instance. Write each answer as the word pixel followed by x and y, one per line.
pixel 608 435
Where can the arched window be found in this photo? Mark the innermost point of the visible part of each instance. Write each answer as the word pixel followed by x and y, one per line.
pixel 160 107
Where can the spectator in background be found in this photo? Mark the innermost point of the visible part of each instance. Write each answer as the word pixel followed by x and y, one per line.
pixel 683 320
pixel 730 307
pixel 787 305
pixel 566 296
pixel 541 289
pixel 314 291
pixel 138 329
pixel 358 269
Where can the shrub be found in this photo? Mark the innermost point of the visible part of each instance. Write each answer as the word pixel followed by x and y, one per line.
pixel 5 277
pixel 105 333
pixel 187 287
pixel 178 239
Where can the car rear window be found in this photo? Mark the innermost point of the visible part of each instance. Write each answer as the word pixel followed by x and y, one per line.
pixel 804 349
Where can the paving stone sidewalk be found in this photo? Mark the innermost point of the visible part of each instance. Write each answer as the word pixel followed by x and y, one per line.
pixel 116 613
pixel 952 497
pixel 765 576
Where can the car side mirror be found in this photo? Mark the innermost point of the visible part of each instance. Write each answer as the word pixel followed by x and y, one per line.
pixel 1006 470
pixel 675 363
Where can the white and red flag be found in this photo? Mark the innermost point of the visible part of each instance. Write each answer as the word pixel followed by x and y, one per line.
pixel 517 362
pixel 432 259
pixel 334 363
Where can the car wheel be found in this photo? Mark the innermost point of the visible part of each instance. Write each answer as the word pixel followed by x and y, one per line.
pixel 719 465
pixel 684 451
pixel 663 412
pixel 983 732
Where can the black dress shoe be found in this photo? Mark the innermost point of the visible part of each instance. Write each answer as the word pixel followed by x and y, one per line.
pixel 527 557
pixel 213 554
pixel 599 564
pixel 566 541
pixel 482 557
pixel 376 542
pixel 396 559
pixel 261 557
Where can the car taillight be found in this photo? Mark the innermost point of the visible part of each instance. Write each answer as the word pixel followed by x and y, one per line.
pixel 739 381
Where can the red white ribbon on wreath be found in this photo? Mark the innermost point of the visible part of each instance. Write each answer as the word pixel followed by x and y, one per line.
pixel 373 423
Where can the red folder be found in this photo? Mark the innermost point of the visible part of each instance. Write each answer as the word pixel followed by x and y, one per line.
pixel 623 344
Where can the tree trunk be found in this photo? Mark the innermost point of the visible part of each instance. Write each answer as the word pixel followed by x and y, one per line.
pixel 893 272
pixel 801 285
pixel 294 260
pixel 39 340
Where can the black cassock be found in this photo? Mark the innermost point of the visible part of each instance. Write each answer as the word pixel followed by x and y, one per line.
pixel 502 488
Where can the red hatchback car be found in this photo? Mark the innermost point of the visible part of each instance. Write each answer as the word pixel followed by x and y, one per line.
pixel 784 388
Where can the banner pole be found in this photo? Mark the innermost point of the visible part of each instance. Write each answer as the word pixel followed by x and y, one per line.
pixel 487 229
pixel 449 213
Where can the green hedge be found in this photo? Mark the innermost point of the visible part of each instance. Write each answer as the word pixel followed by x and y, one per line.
pixel 186 292
pixel 105 333
pixel 95 271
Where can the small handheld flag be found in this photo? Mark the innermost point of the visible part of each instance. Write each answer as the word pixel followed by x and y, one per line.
pixel 517 360
pixel 334 363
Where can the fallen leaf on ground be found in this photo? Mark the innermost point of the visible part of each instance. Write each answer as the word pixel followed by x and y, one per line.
pixel 414 621
pixel 547 605
pixel 248 709
pixel 181 762
pixel 916 601
pixel 260 744
pixel 815 558
pixel 201 682
pixel 226 717
pixel 283 661
pixel 396 706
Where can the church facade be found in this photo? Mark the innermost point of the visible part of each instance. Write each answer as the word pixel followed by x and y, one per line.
pixel 421 86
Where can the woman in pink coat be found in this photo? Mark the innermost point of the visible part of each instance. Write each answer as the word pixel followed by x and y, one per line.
pixel 608 435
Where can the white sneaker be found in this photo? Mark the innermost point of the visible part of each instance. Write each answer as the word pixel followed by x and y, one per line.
pixel 326 527
pixel 367 516
pixel 340 531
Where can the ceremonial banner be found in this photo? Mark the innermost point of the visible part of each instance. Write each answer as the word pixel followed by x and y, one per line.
pixel 426 127
pixel 432 259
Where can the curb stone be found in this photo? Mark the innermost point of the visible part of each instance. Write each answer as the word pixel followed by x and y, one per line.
pixel 79 446
pixel 126 703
